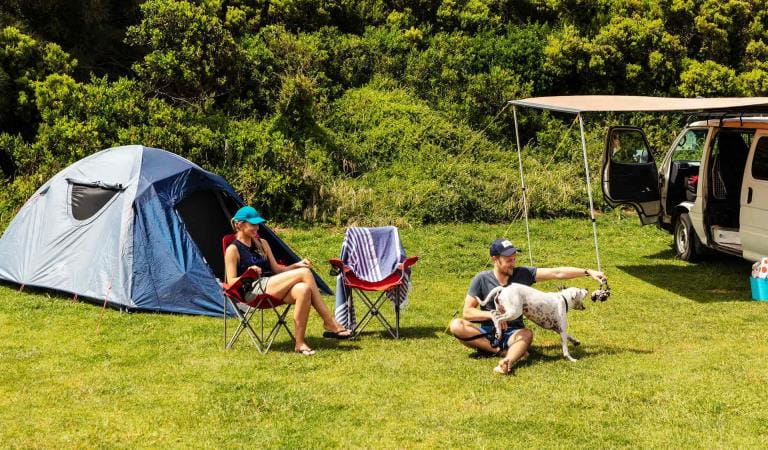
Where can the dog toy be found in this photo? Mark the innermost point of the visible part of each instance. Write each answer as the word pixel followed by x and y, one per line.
pixel 603 293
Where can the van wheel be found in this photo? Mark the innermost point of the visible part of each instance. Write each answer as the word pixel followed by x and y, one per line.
pixel 687 244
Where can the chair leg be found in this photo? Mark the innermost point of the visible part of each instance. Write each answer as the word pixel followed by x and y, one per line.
pixel 281 323
pixel 374 310
pixel 284 323
pixel 226 299
pixel 397 318
pixel 360 326
pixel 261 341
pixel 245 324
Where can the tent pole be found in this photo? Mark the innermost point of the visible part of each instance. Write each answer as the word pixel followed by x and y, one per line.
pixel 522 184
pixel 589 191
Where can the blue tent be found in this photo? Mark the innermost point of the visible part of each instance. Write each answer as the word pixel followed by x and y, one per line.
pixel 137 226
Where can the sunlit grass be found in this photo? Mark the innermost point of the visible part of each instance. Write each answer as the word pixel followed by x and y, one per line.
pixel 676 357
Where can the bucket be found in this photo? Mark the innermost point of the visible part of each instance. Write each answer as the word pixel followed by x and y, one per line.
pixel 759 288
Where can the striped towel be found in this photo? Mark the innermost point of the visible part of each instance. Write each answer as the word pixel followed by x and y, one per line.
pixel 373 254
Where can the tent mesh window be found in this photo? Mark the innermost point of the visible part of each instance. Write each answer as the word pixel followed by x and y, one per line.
pixel 86 199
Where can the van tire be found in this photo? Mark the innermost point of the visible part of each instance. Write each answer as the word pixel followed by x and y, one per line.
pixel 684 239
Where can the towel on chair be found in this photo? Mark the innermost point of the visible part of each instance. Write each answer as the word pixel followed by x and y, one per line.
pixel 373 254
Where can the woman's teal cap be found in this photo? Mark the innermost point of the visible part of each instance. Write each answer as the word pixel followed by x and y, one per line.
pixel 248 214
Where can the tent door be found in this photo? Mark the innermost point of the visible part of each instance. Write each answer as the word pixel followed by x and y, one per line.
pixel 629 173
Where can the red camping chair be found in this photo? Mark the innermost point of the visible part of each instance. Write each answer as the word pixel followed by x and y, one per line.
pixel 262 301
pixel 354 284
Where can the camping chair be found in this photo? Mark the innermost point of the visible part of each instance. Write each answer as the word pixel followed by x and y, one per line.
pixel 262 301
pixel 373 294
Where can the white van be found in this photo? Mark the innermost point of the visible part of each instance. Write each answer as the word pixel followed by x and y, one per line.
pixel 711 190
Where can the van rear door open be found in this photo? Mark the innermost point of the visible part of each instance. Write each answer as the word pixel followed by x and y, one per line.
pixel 753 216
pixel 629 173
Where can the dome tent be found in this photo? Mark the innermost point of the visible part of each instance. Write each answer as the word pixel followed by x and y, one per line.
pixel 137 226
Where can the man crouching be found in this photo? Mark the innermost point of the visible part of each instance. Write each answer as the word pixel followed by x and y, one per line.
pixel 515 338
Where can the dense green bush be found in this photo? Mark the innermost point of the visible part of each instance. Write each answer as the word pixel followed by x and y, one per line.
pixel 411 164
pixel 364 111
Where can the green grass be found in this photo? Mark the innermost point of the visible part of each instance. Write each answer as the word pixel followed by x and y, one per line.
pixel 677 356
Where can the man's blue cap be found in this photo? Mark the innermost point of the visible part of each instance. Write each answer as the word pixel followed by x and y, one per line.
pixel 248 214
pixel 502 247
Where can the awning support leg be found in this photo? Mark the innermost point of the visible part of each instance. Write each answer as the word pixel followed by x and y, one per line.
pixel 589 191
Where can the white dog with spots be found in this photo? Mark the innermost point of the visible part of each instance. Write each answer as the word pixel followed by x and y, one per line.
pixel 547 309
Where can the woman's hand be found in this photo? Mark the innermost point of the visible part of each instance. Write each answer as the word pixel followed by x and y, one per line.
pixel 257 269
pixel 302 264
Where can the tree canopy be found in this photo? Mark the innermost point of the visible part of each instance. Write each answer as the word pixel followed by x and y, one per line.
pixel 329 109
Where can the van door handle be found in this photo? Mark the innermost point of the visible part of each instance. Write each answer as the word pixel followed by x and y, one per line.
pixel 749 195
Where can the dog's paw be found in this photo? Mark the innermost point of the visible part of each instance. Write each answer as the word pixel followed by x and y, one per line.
pixel 570 358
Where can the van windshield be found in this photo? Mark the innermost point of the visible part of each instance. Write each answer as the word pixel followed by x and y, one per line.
pixel 690 146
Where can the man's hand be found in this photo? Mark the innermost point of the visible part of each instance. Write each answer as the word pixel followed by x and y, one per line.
pixel 597 276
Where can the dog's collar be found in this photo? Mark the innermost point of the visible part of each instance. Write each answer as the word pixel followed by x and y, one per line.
pixel 565 300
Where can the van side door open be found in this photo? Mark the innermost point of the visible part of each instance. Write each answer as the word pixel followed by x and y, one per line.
pixel 753 214
pixel 629 173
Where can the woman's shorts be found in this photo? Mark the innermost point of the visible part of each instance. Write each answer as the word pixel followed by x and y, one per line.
pixel 259 287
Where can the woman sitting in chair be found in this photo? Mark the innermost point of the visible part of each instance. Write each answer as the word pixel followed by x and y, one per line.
pixel 295 283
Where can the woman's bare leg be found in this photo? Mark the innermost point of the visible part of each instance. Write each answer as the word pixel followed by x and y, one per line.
pixel 281 283
pixel 299 295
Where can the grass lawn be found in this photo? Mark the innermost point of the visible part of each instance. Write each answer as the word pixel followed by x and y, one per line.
pixel 676 357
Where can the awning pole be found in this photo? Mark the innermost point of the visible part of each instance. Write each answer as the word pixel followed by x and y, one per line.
pixel 589 191
pixel 522 184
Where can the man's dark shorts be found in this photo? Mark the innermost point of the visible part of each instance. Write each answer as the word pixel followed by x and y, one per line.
pixel 503 343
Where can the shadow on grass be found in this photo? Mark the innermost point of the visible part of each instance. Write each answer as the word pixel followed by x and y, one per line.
pixel 316 343
pixel 584 351
pixel 428 332
pixel 721 279
pixel 662 254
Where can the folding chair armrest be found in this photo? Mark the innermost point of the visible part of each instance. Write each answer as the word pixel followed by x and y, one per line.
pixel 232 289
pixel 336 263
pixel 407 263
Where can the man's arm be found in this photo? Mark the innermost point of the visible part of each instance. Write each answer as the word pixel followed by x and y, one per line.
pixel 567 273
pixel 473 312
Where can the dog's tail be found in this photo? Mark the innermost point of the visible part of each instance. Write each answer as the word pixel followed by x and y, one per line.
pixel 491 297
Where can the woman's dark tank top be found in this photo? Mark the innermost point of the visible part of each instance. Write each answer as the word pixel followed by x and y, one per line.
pixel 249 257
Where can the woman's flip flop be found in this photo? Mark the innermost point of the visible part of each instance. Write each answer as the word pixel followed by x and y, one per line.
pixel 338 334
pixel 306 352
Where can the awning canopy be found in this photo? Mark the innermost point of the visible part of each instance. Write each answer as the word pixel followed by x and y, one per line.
pixel 631 103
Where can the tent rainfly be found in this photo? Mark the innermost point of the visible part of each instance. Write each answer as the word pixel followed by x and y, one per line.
pixel 132 226
pixel 580 104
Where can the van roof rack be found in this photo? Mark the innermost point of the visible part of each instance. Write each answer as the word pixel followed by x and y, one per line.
pixel 721 116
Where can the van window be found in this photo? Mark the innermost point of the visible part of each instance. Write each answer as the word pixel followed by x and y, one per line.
pixel 730 141
pixel 629 147
pixel 690 146
pixel 728 162
pixel 760 160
